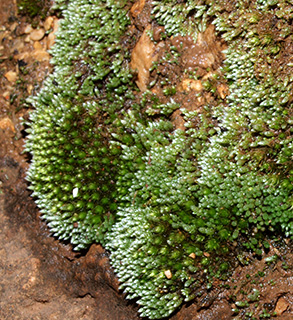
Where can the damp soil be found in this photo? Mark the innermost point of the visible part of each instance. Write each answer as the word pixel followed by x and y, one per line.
pixel 43 278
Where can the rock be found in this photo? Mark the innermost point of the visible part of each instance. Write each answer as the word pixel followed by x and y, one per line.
pixel 41 55
pixel 142 58
pixel 50 40
pixel 27 39
pixel 29 89
pixel 37 34
pixel 168 274
pixel 136 9
pixel 191 84
pixel 6 95
pixel 48 23
pixel 38 45
pixel 6 123
pixel 13 26
pixel 11 76
pixel 223 90
pixel 28 29
pixel 55 25
pixel 17 45
pixel 282 306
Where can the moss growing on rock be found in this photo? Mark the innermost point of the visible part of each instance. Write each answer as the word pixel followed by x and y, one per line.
pixel 169 204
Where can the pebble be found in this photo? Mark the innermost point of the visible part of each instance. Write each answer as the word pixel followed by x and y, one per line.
pixel 223 90
pixel 137 8
pixel 6 95
pixel 50 40
pixel 3 34
pixel 17 45
pixel 11 76
pixel 37 45
pixel 29 89
pixel 37 34
pixel 48 23
pixel 192 255
pixel 22 56
pixel 55 25
pixel 191 84
pixel 27 39
pixel 13 26
pixel 282 306
pixel 28 29
pixel 142 58
pixel 6 123
pixel 41 55
pixel 168 274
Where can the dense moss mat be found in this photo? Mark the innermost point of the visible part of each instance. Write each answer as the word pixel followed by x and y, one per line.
pixel 73 171
pixel 173 207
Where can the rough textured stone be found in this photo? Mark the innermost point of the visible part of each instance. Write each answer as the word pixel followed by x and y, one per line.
pixel 37 34
pixel 282 306
pixel 41 55
pixel 48 23
pixel 142 57
pixel 11 76
pixel 6 123
pixel 28 29
pixel 137 8
pixel 50 40
pixel 191 84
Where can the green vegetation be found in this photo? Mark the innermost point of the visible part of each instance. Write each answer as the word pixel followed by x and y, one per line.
pixel 33 8
pixel 181 17
pixel 171 206
pixel 73 167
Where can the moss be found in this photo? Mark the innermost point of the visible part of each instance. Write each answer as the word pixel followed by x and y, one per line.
pixel 71 173
pixel 169 204
pixel 187 18
pixel 34 8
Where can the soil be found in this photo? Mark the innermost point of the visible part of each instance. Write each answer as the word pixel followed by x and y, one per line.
pixel 43 278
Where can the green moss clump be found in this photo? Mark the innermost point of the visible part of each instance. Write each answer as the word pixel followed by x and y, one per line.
pixel 206 189
pixel 184 18
pixel 71 174
pixel 73 170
